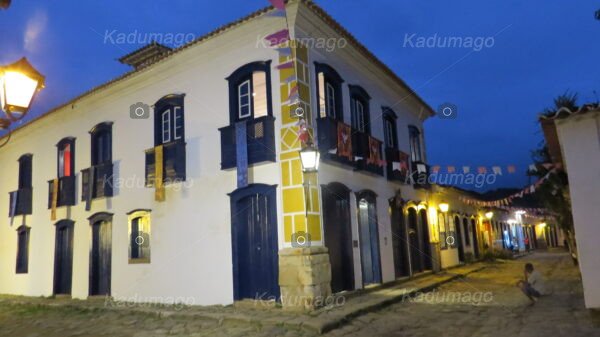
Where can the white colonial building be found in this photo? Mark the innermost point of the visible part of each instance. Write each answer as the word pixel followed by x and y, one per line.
pixel 85 214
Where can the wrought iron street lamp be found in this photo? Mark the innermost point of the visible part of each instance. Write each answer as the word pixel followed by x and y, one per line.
pixel 309 156
pixel 19 82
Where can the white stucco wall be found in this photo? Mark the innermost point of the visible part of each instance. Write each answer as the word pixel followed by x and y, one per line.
pixel 580 144
pixel 191 230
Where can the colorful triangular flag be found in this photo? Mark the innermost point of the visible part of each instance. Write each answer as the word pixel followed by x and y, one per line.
pixel 279 4
pixel 466 169
pixel 285 51
pixel 286 65
pixel 278 38
pixel 497 170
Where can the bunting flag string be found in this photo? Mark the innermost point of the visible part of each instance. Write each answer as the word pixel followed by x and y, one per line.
pixel 508 200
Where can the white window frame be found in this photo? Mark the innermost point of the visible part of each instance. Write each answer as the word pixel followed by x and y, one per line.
pixel 330 99
pixel 389 128
pixel 360 121
pixel 240 96
pixel 176 128
pixel 166 122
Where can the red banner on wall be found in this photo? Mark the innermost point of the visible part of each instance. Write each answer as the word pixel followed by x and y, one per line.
pixel 344 140
pixel 374 152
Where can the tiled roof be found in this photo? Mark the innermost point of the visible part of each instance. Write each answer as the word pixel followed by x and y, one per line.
pixel 550 132
pixel 563 113
pixel 309 3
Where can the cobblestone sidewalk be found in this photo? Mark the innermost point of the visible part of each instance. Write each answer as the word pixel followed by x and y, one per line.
pixel 463 303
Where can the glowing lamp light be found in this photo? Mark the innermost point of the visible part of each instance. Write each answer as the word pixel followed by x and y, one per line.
pixel 444 207
pixel 512 221
pixel 542 225
pixel 309 156
pixel 520 212
pixel 19 82
pixel 489 215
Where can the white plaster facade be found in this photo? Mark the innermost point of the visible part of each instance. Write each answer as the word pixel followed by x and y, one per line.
pixel 191 231
pixel 579 137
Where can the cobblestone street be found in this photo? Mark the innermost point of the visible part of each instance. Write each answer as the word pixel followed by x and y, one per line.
pixel 485 303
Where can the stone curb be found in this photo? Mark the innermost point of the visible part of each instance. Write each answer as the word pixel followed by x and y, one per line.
pixel 326 326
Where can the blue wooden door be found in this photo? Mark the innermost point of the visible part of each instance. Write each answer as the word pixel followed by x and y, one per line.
pixel 369 238
pixel 254 242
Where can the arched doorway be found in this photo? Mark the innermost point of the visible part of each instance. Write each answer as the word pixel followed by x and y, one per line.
pixel 399 239
pixel 461 249
pixel 338 235
pixel 101 254
pixel 425 245
pixel 467 233
pixel 413 240
pixel 254 241
pixel 475 241
pixel 369 237
pixel 63 257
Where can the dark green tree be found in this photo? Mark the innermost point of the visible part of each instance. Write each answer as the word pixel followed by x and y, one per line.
pixel 553 193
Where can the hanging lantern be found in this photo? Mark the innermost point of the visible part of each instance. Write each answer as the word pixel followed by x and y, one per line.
pixel 19 82
pixel 309 156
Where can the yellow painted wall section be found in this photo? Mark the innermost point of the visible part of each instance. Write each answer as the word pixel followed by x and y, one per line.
pixel 300 191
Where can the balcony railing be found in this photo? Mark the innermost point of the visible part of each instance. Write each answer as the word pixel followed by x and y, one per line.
pixel 368 153
pixel 66 191
pixel 397 165
pixel 260 135
pixel 101 181
pixel 420 174
pixel 335 141
pixel 174 163
pixel 22 204
pixel 340 143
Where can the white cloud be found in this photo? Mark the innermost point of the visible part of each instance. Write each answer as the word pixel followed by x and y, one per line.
pixel 34 30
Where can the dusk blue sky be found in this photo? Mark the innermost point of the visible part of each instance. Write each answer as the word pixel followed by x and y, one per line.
pixel 540 50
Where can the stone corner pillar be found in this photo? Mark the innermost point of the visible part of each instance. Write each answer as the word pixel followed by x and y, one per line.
pixel 304 278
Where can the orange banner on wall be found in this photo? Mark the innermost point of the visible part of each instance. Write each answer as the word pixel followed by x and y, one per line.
pixel 54 199
pixel 344 140
pixel 374 152
pixel 159 192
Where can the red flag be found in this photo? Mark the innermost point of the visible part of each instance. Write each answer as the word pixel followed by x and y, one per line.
pixel 279 4
pixel 511 168
pixel 451 169
pixel 435 169
pixel 481 170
